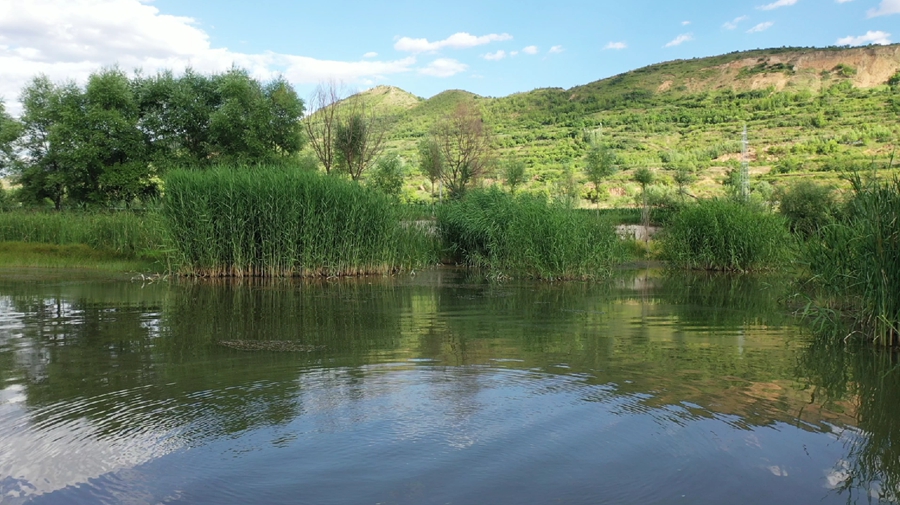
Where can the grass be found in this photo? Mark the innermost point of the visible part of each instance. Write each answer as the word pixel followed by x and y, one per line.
pixel 127 234
pixel 273 222
pixel 856 261
pixel 72 256
pixel 722 234
pixel 527 234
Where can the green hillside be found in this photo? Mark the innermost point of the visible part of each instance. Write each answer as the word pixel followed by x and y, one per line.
pixel 808 111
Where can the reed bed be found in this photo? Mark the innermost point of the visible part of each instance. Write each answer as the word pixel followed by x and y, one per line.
pixel 526 234
pixel 726 235
pixel 125 233
pixel 277 221
pixel 856 260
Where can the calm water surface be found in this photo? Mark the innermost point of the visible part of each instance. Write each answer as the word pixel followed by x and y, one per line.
pixel 434 389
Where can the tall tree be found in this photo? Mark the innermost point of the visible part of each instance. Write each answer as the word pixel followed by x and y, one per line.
pixel 464 142
pixel 10 130
pixel 430 162
pixel 321 122
pixel 600 161
pixel 359 136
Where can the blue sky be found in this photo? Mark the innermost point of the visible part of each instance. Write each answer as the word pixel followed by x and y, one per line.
pixel 492 48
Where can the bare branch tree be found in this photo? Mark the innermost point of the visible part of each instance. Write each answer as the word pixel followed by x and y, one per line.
pixel 359 136
pixel 465 146
pixel 321 124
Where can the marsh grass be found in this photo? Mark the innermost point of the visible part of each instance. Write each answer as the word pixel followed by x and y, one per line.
pixel 726 235
pixel 855 262
pixel 126 234
pixel 527 235
pixel 278 221
pixel 73 256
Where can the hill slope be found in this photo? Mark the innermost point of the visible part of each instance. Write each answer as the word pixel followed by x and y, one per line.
pixel 806 109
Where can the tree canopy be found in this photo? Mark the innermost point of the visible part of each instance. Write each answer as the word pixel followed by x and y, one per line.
pixel 107 141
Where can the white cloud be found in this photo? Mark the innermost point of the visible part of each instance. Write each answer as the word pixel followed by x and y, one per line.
pixel 681 39
pixel 761 27
pixel 685 23
pixel 70 39
pixel 556 50
pixel 870 37
pixel 513 53
pixel 499 55
pixel 843 1
pixel 731 25
pixel 460 40
pixel 616 45
pixel 370 54
pixel 530 50
pixel 777 4
pixel 443 67
pixel 885 8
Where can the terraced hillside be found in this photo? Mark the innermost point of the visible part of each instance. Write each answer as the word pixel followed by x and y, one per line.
pixel 808 111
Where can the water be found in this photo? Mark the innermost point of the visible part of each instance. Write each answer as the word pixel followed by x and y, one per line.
pixel 434 389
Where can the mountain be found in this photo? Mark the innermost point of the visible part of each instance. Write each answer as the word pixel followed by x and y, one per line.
pixel 808 111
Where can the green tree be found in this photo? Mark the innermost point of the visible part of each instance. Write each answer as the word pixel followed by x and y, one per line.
pixel 683 179
pixel 600 161
pixel 514 173
pixel 644 176
pixel 388 175
pixel 431 164
pixel 10 130
pixel 42 172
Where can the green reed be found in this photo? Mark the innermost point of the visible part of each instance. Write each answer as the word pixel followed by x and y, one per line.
pixel 126 233
pixel 278 221
pixel 526 234
pixel 856 261
pixel 723 234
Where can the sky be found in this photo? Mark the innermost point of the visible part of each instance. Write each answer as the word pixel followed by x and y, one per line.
pixel 492 48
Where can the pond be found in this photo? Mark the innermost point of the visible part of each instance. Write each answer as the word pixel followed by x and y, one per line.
pixel 433 389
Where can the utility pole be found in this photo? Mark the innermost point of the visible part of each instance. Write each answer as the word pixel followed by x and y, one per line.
pixel 745 167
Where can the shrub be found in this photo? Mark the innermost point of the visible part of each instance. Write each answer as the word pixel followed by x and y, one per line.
pixel 807 206
pixel 722 234
pixel 527 234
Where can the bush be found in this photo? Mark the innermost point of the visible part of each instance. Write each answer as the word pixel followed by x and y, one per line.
pixel 807 206
pixel 726 235
pixel 527 234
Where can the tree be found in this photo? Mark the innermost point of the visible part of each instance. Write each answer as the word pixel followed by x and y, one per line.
pixel 644 176
pixel 388 175
pixel 684 178
pixel 600 161
pixel 359 137
pixel 514 173
pixel 464 143
pixel 10 130
pixel 321 123
pixel 431 164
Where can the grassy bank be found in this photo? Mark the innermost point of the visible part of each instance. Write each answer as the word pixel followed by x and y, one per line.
pixel 286 222
pixel 73 256
pixel 721 234
pixel 528 235
pixel 855 261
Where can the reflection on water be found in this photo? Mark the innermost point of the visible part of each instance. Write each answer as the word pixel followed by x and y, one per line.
pixel 431 389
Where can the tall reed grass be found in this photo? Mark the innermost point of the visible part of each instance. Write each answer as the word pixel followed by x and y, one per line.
pixel 526 234
pixel 856 261
pixel 277 221
pixel 726 235
pixel 125 233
